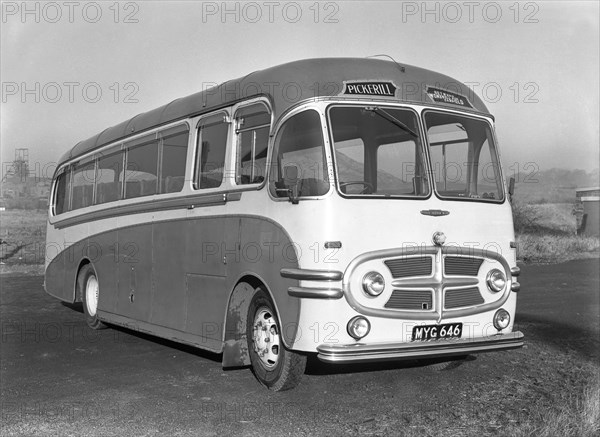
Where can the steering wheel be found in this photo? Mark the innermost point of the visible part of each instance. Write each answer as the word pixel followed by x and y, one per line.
pixel 368 187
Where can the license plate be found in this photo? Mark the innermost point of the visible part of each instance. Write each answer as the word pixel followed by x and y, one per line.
pixel 435 332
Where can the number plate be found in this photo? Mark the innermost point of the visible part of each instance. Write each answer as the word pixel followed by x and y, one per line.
pixel 435 332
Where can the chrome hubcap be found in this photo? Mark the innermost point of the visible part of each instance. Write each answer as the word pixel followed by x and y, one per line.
pixel 91 295
pixel 265 336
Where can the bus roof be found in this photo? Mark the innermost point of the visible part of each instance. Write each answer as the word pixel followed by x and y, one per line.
pixel 287 85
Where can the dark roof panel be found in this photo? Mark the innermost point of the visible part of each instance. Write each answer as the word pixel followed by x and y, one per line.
pixel 287 85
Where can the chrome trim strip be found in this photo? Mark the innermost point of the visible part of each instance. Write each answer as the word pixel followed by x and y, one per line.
pixel 149 205
pixel 427 349
pixel 312 275
pixel 316 293
pixel 426 282
pixel 439 283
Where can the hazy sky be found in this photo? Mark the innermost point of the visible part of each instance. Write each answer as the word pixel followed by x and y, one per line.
pixel 71 69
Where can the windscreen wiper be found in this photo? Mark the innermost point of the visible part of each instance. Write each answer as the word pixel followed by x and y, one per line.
pixel 389 117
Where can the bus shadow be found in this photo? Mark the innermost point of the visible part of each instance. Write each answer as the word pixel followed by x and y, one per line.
pixel 314 366
pixel 196 351
pixel 171 344
pixel 77 306
pixel 565 337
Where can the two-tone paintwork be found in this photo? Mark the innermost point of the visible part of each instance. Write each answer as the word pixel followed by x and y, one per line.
pixel 184 266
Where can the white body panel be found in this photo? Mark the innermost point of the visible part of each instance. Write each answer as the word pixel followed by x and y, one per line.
pixel 362 226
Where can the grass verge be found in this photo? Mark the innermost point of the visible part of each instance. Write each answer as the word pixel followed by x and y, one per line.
pixel 540 248
pixel 571 414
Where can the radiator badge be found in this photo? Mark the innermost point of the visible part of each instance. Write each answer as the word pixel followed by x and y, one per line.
pixel 434 212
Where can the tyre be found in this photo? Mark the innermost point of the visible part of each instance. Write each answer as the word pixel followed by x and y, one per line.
pixel 273 365
pixel 89 288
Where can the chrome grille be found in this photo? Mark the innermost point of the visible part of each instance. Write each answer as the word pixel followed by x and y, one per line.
pixel 463 297
pixel 462 265
pixel 410 300
pixel 414 266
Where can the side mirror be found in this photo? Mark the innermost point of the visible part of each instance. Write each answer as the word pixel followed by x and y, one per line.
pixel 511 187
pixel 291 183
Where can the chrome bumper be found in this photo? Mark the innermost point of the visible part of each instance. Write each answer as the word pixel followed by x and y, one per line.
pixel 426 349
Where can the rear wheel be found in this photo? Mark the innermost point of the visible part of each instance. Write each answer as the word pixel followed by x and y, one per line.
pixel 89 288
pixel 273 365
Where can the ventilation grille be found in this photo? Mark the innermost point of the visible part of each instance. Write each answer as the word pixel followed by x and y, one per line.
pixel 415 266
pixel 460 265
pixel 410 300
pixel 464 297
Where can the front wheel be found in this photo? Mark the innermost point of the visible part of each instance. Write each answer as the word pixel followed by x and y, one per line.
pixel 89 288
pixel 273 365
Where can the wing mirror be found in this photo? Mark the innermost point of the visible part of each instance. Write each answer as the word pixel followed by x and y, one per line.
pixel 511 187
pixel 291 183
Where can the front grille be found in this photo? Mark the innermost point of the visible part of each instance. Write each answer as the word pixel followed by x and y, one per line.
pixel 414 266
pixel 410 300
pixel 460 265
pixel 463 297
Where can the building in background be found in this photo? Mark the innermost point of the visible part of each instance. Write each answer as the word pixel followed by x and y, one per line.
pixel 21 187
pixel 588 208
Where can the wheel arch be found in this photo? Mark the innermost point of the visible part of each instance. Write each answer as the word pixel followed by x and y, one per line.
pixel 235 341
pixel 76 291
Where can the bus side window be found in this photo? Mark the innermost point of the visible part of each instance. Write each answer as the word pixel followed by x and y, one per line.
pixel 83 185
pixel 109 177
pixel 142 167
pixel 211 152
pixel 61 193
pixel 252 129
pixel 299 143
pixel 174 150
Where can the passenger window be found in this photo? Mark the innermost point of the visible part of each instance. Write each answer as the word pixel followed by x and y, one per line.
pixel 174 151
pixel 83 185
pixel 61 193
pixel 252 129
pixel 299 161
pixel 212 143
pixel 109 178
pixel 142 168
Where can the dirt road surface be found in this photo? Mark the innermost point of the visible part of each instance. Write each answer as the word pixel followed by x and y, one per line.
pixel 60 378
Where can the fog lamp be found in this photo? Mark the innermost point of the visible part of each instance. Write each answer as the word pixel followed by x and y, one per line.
pixel 373 283
pixel 495 280
pixel 358 327
pixel 501 319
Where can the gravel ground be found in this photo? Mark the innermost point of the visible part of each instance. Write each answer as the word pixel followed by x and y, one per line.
pixel 60 378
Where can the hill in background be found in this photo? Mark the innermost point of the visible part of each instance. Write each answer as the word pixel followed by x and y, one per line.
pixel 556 185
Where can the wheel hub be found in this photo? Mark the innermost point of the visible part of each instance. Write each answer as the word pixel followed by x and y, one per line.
pixel 91 295
pixel 265 336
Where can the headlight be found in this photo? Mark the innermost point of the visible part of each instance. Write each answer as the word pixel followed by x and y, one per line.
pixel 358 327
pixel 373 283
pixel 496 280
pixel 501 319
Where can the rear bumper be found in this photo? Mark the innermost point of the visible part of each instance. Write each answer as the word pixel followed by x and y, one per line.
pixel 427 349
